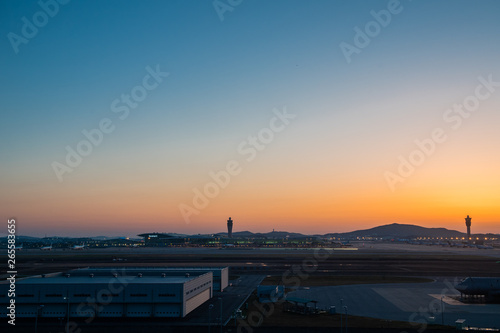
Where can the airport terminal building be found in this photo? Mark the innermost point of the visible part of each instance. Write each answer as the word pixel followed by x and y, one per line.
pixel 113 292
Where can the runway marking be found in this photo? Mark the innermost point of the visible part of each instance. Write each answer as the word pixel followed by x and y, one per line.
pixel 450 301
pixel 403 299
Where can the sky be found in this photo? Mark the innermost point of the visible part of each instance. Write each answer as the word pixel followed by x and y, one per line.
pixel 124 117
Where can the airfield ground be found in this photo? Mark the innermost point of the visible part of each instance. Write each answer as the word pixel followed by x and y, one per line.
pixel 366 259
pixel 404 271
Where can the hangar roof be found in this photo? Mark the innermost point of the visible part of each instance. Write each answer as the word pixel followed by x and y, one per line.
pixel 104 279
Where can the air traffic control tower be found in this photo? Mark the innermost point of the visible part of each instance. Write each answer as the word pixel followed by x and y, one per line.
pixel 468 223
pixel 229 228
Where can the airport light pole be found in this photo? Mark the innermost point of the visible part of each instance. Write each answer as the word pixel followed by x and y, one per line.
pixel 40 307
pixel 210 307
pixel 442 310
pixel 67 319
pixel 341 301
pixel 345 310
pixel 220 298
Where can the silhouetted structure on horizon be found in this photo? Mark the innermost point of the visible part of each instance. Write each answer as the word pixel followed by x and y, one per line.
pixel 230 228
pixel 468 223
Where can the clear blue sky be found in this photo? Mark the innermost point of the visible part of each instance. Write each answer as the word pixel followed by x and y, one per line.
pixel 225 78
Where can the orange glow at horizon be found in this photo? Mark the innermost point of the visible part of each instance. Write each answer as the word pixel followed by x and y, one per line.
pixel 264 197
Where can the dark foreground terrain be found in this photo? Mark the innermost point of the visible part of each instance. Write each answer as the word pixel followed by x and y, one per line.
pixel 327 269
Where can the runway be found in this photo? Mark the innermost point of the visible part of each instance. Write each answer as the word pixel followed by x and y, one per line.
pixel 357 248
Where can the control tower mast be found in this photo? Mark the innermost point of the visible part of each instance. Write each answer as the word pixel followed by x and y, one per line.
pixel 229 228
pixel 468 223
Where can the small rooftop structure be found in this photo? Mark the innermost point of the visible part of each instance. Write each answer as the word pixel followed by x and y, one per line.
pixel 268 294
pixel 300 305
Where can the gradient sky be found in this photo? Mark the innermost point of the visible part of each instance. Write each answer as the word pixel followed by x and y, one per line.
pixel 325 171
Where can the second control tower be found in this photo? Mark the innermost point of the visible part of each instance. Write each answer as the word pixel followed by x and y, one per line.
pixel 229 228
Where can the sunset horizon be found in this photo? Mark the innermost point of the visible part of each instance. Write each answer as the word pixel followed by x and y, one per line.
pixel 244 226
pixel 307 117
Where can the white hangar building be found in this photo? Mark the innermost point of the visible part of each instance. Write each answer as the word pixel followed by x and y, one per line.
pixel 112 292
